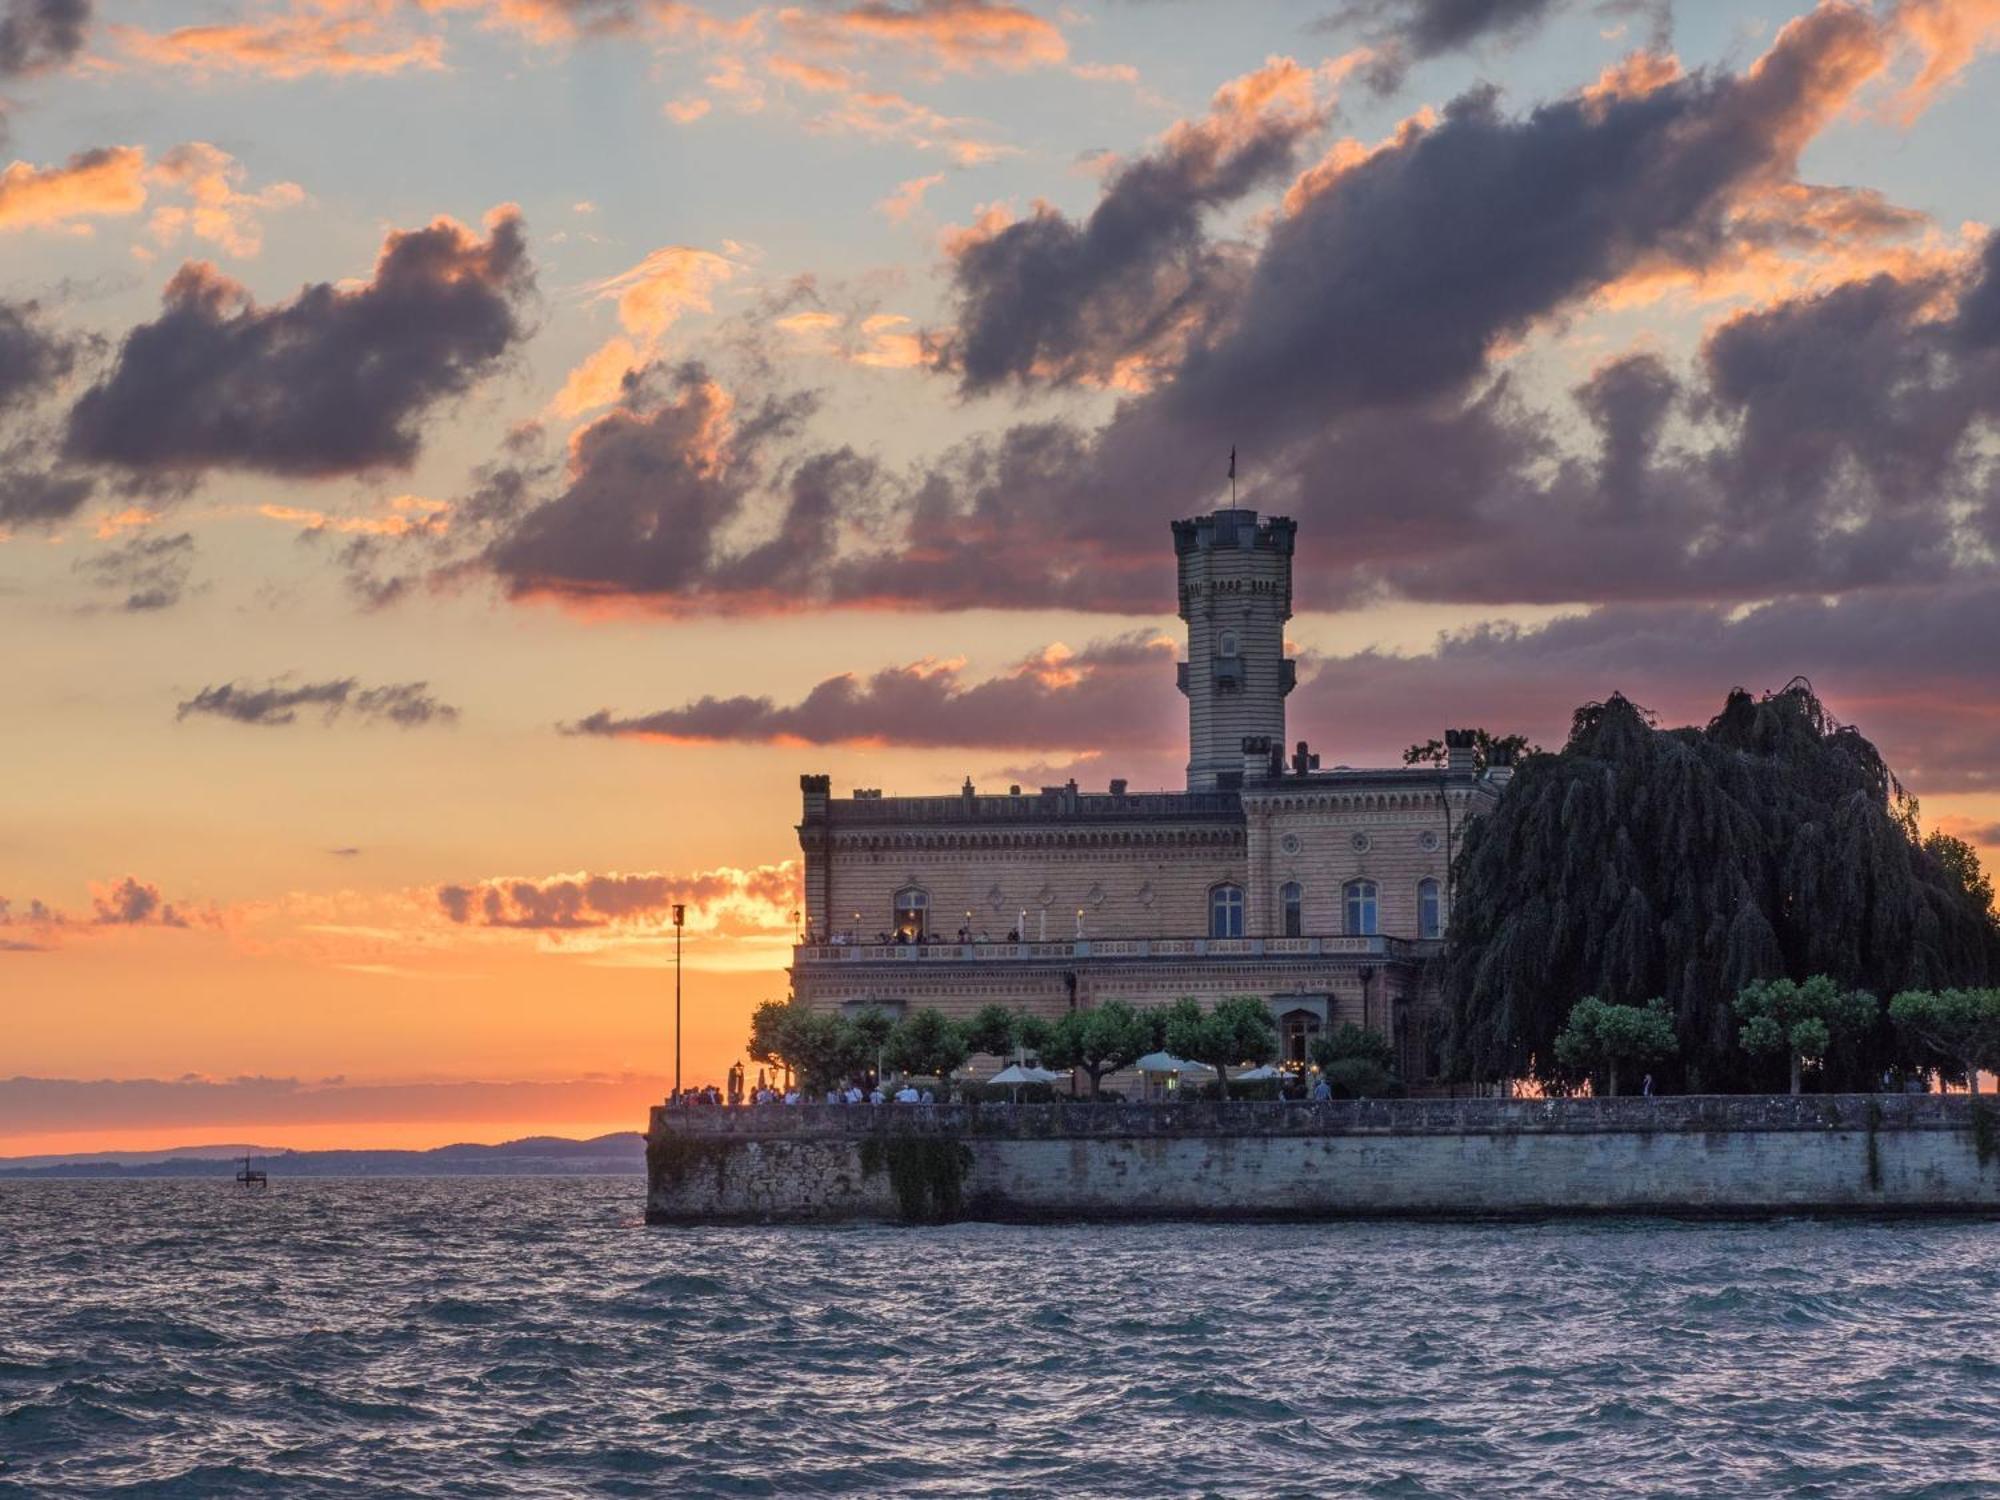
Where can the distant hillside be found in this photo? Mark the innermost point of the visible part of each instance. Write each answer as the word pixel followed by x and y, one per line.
pixel 618 1154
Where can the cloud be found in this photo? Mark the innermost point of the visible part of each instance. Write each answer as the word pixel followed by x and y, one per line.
pixel 1836 435
pixel 756 898
pixel 908 198
pixel 1049 299
pixel 116 182
pixel 1946 35
pixel 332 381
pixel 131 902
pixel 218 210
pixel 407 705
pixel 1908 667
pixel 655 484
pixel 152 572
pixel 949 35
pixel 37 35
pixel 1402 31
pixel 34 495
pixel 334 40
pixel 1112 694
pixel 651 297
pixel 106 181
pixel 33 357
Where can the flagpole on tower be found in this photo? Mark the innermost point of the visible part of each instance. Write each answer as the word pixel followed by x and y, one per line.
pixel 1232 476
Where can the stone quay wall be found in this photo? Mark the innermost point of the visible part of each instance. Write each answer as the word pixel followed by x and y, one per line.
pixel 1717 1155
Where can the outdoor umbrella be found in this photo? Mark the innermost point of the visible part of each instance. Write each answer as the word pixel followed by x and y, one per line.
pixel 1017 1074
pixel 1166 1062
pixel 1258 1075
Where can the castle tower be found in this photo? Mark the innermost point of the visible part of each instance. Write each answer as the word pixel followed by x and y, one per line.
pixel 1236 594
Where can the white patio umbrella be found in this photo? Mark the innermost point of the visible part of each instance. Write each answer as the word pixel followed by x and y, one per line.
pixel 1017 1074
pixel 1166 1062
pixel 1258 1075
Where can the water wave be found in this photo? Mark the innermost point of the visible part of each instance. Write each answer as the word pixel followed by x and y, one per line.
pixel 531 1337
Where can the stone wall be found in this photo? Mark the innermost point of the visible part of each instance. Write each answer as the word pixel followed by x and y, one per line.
pixel 1444 1157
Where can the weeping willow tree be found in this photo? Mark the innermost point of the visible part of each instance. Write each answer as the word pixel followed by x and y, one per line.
pixel 1687 863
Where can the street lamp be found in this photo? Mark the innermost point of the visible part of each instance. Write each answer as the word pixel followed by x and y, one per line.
pixel 680 920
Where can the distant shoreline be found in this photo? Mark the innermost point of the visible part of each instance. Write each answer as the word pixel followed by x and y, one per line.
pixel 617 1155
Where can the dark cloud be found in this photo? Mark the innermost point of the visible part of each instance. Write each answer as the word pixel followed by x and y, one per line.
pixel 152 572
pixel 32 357
pixel 40 34
pixel 407 705
pixel 333 381
pixel 578 902
pixel 1425 28
pixel 31 494
pixel 133 903
pixel 1117 692
pixel 656 483
pixel 1912 669
pixel 346 851
pixel 29 930
pixel 1050 299
pixel 1823 443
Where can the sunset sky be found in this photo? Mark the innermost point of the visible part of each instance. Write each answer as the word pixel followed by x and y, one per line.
pixel 461 460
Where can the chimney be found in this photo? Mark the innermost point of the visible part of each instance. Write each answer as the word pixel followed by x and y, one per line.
pixel 1500 765
pixel 1460 751
pixel 1256 756
pixel 1118 785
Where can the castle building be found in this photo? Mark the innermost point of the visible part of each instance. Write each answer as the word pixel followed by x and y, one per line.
pixel 1325 892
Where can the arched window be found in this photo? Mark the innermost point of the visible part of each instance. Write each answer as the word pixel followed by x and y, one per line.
pixel 1291 907
pixel 1430 909
pixel 1225 911
pixel 913 905
pixel 1361 908
pixel 1227 645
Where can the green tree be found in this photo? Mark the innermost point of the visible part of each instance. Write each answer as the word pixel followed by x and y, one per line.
pixel 1484 743
pixel 1238 1030
pixel 1032 1033
pixel 1803 1021
pixel 1357 1062
pixel 767 1033
pixel 1600 1036
pixel 1100 1040
pixel 872 1027
pixel 1961 1028
pixel 994 1030
pixel 1685 863
pixel 823 1049
pixel 1960 861
pixel 928 1043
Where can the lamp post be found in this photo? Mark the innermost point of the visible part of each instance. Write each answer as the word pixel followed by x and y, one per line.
pixel 680 920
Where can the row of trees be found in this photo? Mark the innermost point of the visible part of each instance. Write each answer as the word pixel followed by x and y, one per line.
pixel 1955 1030
pixel 824 1049
pixel 1690 864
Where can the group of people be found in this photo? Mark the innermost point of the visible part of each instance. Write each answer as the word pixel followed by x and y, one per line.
pixel 903 937
pixel 769 1089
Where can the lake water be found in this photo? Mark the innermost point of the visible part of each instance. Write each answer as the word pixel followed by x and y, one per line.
pixel 533 1337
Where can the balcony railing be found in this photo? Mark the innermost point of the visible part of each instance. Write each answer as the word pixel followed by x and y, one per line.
pixel 1372 946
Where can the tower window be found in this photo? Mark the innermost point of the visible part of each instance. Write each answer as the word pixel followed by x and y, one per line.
pixel 1291 903
pixel 913 905
pixel 1225 911
pixel 1226 646
pixel 1430 909
pixel 1361 908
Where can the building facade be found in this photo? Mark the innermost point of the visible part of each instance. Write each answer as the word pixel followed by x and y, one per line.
pixel 1325 892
